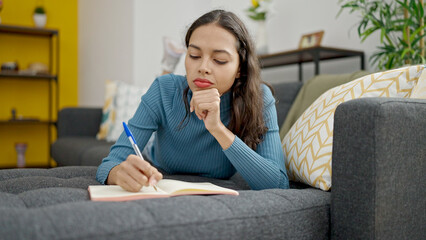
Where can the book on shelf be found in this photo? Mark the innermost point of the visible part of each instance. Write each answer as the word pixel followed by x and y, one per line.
pixel 165 188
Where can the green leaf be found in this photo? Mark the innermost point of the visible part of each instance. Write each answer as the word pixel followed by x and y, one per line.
pixel 416 11
pixel 382 34
pixel 416 32
pixel 404 33
pixel 405 52
pixel 389 64
pixel 408 8
pixel 417 39
pixel 421 11
pixel 368 32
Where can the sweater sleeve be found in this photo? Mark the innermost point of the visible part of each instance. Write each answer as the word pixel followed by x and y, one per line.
pixel 143 123
pixel 263 168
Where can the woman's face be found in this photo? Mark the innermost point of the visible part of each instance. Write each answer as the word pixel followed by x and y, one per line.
pixel 212 59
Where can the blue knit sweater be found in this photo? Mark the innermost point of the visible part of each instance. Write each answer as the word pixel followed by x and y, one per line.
pixel 192 149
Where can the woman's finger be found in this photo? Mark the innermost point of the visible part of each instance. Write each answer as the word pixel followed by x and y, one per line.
pixel 141 164
pixel 127 182
pixel 191 105
pixel 134 173
pixel 155 177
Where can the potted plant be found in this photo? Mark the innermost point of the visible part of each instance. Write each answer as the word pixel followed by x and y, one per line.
pixel 401 27
pixel 39 17
pixel 258 11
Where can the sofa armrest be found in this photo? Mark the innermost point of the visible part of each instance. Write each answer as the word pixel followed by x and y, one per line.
pixel 77 121
pixel 379 180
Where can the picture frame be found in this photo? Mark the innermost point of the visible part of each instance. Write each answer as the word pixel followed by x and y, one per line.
pixel 311 40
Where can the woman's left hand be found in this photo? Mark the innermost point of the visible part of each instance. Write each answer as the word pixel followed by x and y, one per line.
pixel 206 104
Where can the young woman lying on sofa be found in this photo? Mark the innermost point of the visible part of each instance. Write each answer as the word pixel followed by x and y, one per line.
pixel 217 120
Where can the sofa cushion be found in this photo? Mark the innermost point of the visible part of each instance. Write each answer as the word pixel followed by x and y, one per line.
pixel 308 145
pixel 79 151
pixel 54 204
pixel 310 91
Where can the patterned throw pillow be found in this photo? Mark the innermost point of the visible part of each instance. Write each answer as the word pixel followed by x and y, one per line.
pixel 126 101
pixel 108 111
pixel 419 91
pixel 308 145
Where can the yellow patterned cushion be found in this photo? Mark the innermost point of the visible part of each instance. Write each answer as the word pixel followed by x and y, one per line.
pixel 307 146
pixel 121 101
pixel 108 110
pixel 419 91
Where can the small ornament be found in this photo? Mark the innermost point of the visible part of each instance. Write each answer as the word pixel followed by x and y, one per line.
pixel 20 150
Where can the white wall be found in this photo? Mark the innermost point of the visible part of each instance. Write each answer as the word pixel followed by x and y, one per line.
pixel 105 47
pixel 122 40
pixel 152 22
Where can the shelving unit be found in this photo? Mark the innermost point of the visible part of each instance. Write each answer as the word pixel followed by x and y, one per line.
pixel 52 36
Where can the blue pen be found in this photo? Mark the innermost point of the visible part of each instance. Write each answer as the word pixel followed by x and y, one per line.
pixel 133 142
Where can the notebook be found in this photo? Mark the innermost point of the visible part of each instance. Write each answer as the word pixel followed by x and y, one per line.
pixel 165 188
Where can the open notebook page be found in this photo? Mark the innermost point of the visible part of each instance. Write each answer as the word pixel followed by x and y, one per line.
pixel 176 187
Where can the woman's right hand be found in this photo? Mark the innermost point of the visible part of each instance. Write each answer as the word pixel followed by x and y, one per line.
pixel 133 174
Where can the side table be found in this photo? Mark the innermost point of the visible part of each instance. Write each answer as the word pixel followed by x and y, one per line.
pixel 304 55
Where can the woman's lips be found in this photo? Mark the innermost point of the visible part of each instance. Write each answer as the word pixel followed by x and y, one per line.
pixel 202 83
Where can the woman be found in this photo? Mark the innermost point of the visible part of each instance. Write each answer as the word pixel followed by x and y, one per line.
pixel 216 121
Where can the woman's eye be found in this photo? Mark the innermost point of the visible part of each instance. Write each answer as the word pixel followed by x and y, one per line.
pixel 220 62
pixel 194 56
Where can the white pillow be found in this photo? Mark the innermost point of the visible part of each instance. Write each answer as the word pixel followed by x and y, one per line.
pixel 126 101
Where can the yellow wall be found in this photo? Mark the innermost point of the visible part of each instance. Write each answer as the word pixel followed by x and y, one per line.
pixel 30 97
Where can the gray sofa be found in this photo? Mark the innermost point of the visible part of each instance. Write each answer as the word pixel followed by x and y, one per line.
pixel 378 188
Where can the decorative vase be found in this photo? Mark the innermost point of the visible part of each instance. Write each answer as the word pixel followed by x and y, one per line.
pixel 261 38
pixel 39 20
pixel 20 150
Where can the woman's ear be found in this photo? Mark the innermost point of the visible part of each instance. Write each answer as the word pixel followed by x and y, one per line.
pixel 238 74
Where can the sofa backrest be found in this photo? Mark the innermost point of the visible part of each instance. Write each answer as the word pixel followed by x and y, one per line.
pixel 79 122
pixel 285 93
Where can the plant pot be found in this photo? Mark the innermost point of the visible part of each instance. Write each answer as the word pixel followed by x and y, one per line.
pixel 39 20
pixel 261 38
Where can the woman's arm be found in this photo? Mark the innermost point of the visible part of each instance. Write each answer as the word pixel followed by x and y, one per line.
pixel 263 168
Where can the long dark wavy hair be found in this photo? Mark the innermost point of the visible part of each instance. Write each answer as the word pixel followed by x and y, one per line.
pixel 247 98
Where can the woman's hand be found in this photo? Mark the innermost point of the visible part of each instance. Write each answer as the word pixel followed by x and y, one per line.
pixel 206 104
pixel 133 174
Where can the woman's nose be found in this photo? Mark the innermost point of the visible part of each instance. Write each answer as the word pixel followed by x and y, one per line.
pixel 204 67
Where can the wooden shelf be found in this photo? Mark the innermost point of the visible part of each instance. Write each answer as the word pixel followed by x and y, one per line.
pixel 26 121
pixel 9 74
pixel 27 30
pixel 52 35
